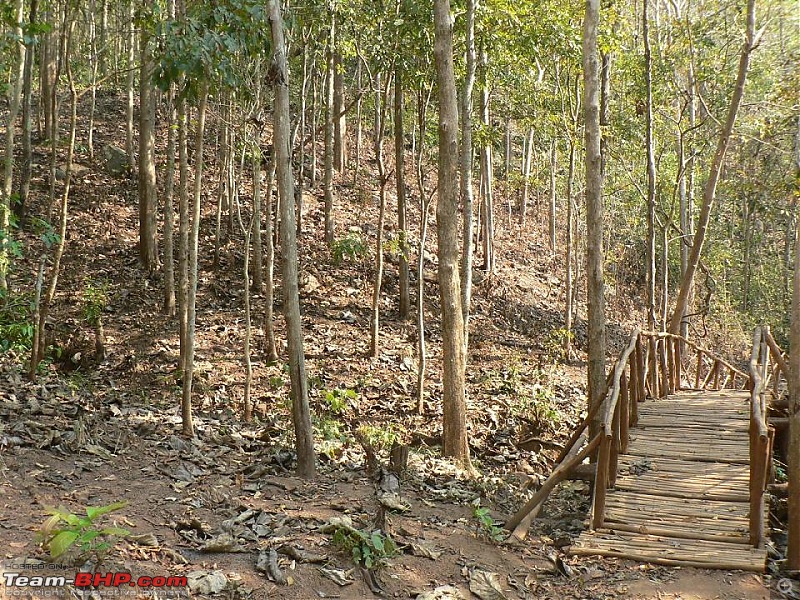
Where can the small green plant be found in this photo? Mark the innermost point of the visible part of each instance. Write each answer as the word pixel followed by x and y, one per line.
pixel 555 344
pixel 95 301
pixel 379 438
pixel 485 526
pixel 16 324
pixel 370 549
pixel 351 247
pixel 65 530
pixel 338 400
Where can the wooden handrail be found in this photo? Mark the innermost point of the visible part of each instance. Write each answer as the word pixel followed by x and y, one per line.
pixel 696 347
pixel 759 439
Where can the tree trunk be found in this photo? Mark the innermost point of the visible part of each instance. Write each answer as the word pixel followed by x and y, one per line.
pixel 651 175
pixel 301 414
pixel 169 213
pixel 526 175
pixel 129 85
pixel 269 290
pixel 454 433
pixel 594 210
pixel 400 179
pixel 27 149
pixel 553 193
pixel 148 230
pixel 569 288
pixel 374 350
pixel 340 122
pixel 487 174
pixel 329 131
pixel 424 206
pixel 194 234
pixel 14 94
pixel 793 553
pixel 467 193
pixel 710 189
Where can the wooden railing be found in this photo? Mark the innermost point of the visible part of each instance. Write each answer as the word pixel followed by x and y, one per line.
pixel 765 378
pixel 654 365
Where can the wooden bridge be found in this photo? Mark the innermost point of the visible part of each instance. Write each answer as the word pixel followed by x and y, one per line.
pixel 681 456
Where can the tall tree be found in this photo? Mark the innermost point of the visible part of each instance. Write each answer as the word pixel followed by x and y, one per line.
pixel 301 414
pixel 148 248
pixel 14 94
pixel 594 207
pixel 793 553
pixel 467 193
pixel 651 170
pixel 454 434
pixel 710 189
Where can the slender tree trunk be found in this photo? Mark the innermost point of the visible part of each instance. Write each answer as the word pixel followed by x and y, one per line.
pixel 258 249
pixel 169 212
pixel 467 193
pixel 710 189
pixel 454 434
pixel 129 86
pixel 93 65
pixel 594 209
pixel 340 122
pixel 148 230
pixel 526 176
pixel 507 170
pixel 357 167
pixel 487 174
pixel 191 298
pixel 651 174
pixel 301 414
pixel 314 98
pixel 424 206
pixel 605 107
pixel 553 193
pixel 329 131
pixel 400 179
pixel 380 96
pixel 14 94
pixel 301 178
pixel 793 521
pixel 248 364
pixel 687 201
pixel 269 291
pixel 27 148
pixel 183 243
pixel 569 287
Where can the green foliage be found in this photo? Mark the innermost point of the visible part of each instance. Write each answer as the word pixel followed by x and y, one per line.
pixel 95 301
pixel 338 400
pixel 485 526
pixel 370 549
pixel 555 343
pixel 16 324
pixel 351 247
pixel 65 530
pixel 379 438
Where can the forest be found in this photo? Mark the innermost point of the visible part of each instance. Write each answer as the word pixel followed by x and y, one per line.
pixel 389 298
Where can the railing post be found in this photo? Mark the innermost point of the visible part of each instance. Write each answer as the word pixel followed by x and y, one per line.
pixel 625 395
pixel 640 375
pixel 601 480
pixel 716 374
pixel 669 350
pixel 678 344
pixel 699 368
pixel 652 366
pixel 662 359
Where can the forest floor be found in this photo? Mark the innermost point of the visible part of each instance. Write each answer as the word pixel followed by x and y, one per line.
pixel 90 434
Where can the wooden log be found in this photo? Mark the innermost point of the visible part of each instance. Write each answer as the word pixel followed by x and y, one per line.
pixel 615 444
pixel 559 474
pixel 642 394
pixel 717 368
pixel 601 481
pixel 678 364
pixel 625 407
pixel 653 367
pixel 699 368
pixel 662 361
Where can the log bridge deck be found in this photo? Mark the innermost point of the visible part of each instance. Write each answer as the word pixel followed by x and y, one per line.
pixel 681 495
